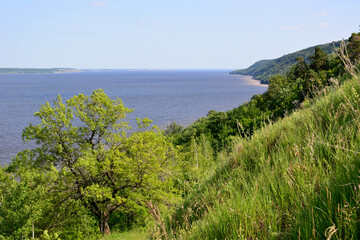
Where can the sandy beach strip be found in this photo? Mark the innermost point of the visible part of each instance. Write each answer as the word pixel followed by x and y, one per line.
pixel 251 81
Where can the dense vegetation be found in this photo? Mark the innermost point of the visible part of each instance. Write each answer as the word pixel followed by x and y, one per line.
pixel 292 177
pixel 297 178
pixel 36 70
pixel 285 165
pixel 265 69
pixel 284 94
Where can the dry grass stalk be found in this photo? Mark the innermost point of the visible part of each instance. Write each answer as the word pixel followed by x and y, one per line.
pixel 344 56
pixel 330 231
pixel 155 213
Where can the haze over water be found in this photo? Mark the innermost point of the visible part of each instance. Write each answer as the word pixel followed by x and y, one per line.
pixel 163 96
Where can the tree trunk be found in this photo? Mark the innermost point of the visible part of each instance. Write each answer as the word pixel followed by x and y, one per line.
pixel 104 226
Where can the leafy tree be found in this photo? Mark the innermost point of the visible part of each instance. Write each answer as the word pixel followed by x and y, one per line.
pixel 22 202
pixel 98 162
pixel 301 69
pixel 29 206
pixel 15 212
pixel 173 128
pixel 319 60
pixel 354 47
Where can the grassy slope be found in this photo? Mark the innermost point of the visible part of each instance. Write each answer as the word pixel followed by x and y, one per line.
pixel 136 234
pixel 296 178
pixel 263 70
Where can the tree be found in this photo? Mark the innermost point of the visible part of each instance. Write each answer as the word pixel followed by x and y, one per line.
pixel 98 162
pixel 173 128
pixel 354 47
pixel 29 208
pixel 300 69
pixel 320 60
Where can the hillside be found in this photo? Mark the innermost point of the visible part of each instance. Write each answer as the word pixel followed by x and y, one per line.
pixel 297 178
pixel 263 70
pixel 36 70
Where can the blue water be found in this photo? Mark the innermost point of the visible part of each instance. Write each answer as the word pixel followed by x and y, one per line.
pixel 163 96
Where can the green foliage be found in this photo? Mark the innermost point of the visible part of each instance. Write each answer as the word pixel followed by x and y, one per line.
pixel 231 204
pixel 265 69
pixel 197 164
pixel 173 128
pixel 16 214
pixel 319 61
pixel 354 47
pixel 284 94
pixel 95 164
pixel 28 209
pixel 297 178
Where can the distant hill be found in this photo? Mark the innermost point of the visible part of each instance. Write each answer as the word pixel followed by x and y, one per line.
pixel 37 70
pixel 263 70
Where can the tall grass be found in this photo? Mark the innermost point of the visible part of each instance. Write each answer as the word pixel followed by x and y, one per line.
pixel 136 234
pixel 294 179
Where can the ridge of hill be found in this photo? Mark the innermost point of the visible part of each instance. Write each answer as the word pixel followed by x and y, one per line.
pixel 263 70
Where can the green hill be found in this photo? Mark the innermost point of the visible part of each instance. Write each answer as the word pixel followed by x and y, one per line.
pixel 297 178
pixel 263 70
pixel 289 166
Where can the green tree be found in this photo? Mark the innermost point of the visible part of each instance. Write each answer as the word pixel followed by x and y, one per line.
pixel 98 162
pixel 173 128
pixel 29 206
pixel 301 69
pixel 319 60
pixel 354 47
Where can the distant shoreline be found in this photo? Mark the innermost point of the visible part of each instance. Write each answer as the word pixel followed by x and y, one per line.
pixel 37 70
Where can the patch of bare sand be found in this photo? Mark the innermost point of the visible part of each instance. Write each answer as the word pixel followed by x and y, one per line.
pixel 250 81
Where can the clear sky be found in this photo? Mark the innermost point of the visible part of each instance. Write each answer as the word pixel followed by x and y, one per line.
pixel 166 34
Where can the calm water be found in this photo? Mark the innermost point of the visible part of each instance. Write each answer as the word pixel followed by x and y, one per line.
pixel 163 96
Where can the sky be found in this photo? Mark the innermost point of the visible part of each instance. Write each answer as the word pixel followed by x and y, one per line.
pixel 166 34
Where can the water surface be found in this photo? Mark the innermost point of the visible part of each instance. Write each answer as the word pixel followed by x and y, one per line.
pixel 163 96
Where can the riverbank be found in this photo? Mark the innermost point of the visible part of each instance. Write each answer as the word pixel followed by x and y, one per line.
pixel 251 81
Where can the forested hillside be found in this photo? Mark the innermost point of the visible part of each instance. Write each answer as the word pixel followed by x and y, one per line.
pixel 293 173
pixel 265 69
pixel 297 178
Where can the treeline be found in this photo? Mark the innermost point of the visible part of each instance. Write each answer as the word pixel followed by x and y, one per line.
pixel 265 69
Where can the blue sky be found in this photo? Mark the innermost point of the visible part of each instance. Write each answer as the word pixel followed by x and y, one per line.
pixel 166 34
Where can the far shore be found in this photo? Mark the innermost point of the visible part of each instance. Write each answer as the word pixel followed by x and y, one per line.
pixel 37 70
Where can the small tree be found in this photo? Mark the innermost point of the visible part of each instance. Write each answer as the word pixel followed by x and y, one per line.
pixel 354 47
pixel 98 162
pixel 319 60
pixel 301 69
pixel 173 128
